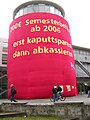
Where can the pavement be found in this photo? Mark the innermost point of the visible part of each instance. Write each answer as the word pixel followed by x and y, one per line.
pixel 73 99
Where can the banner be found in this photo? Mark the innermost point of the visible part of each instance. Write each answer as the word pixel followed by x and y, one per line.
pixel 40 55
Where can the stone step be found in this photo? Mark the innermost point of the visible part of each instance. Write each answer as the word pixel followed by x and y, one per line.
pixel 12 114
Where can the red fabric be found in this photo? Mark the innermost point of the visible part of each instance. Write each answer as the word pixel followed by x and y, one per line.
pixel 35 72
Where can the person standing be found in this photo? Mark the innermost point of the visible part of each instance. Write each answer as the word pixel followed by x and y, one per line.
pixel 88 91
pixel 59 90
pixel 54 91
pixel 12 93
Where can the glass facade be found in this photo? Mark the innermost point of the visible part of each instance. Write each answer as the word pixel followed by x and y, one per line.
pixel 4 58
pixel 3 52
pixel 3 87
pixel 5 47
pixel 3 67
pixel 37 8
pixel 83 57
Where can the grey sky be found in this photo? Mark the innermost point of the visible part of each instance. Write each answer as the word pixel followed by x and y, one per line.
pixel 77 15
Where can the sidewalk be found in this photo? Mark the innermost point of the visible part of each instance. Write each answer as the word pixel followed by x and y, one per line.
pixel 79 98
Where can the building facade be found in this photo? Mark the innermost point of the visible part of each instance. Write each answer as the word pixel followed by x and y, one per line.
pixel 38 6
pixel 3 67
pixel 82 59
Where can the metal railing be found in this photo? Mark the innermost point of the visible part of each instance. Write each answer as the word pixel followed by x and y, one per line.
pixel 3 76
pixel 83 67
pixel 3 92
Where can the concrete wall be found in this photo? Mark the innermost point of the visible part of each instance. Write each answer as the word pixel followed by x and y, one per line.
pixel 64 110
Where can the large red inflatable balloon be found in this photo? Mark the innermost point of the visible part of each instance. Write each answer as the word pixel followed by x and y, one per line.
pixel 40 54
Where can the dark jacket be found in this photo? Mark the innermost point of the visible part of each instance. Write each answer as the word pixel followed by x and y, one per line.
pixel 13 91
pixel 59 89
pixel 54 90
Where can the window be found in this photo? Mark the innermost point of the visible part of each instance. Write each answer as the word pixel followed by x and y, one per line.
pixel 56 11
pixel 85 58
pixel 52 9
pixel 25 10
pixel 60 13
pixel 47 8
pixel 83 52
pixel 41 8
pixel 88 53
pixel 30 9
pixel 5 47
pixel 4 58
pixel 17 15
pixel 76 51
pixel 21 12
pixel 35 8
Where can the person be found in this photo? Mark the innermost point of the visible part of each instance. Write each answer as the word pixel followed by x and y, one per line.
pixel 88 91
pixel 59 90
pixel 54 91
pixel 12 93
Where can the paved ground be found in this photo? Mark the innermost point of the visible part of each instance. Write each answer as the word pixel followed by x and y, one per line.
pixel 79 98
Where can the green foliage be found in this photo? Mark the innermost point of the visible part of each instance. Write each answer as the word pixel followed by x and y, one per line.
pixel 31 118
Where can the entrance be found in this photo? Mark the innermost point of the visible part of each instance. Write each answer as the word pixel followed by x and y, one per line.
pixel 83 88
pixel 3 87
